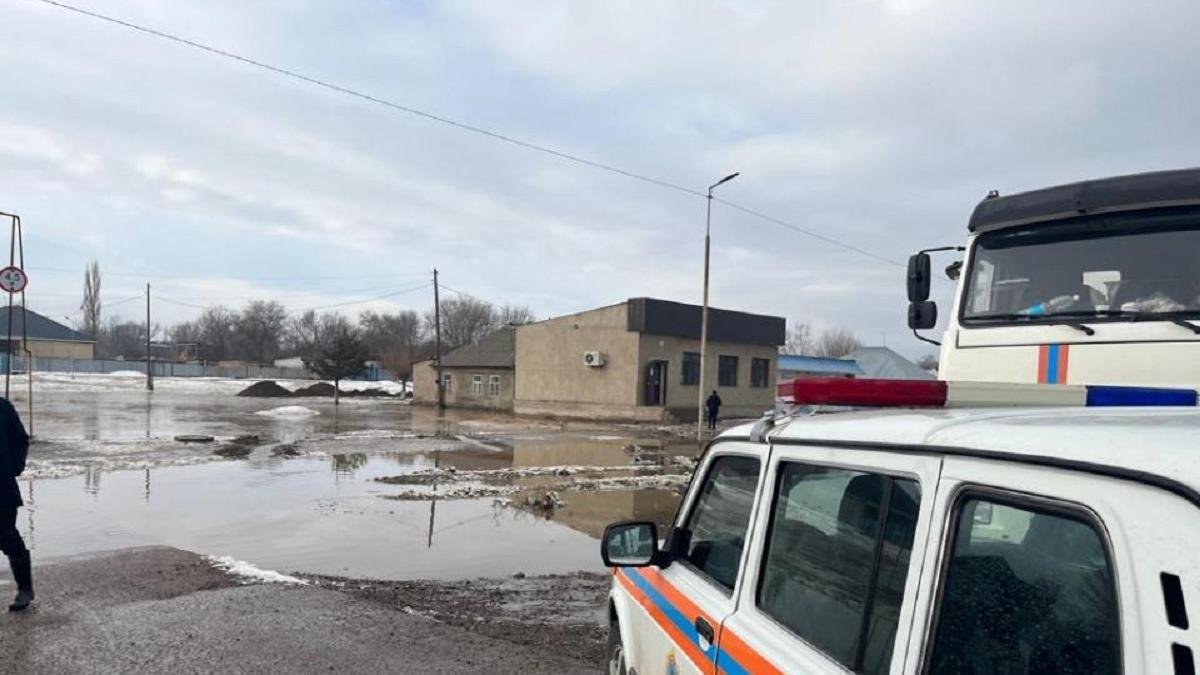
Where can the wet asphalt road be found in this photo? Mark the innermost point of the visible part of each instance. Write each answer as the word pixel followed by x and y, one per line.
pixel 160 610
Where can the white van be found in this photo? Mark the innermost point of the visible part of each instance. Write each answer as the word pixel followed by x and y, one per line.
pixel 944 541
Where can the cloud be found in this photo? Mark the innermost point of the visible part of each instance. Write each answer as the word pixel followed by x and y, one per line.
pixel 879 122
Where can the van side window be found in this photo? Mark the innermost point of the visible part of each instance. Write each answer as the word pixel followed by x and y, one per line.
pixel 836 560
pixel 715 533
pixel 1026 591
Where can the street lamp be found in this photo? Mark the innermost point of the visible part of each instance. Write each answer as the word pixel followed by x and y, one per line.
pixel 704 312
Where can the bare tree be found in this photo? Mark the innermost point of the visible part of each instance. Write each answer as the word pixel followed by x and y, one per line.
pixel 392 339
pixel 836 343
pixel 800 341
pixel 309 332
pixel 464 321
pixel 514 315
pixel 258 330
pixel 91 301
pixel 216 329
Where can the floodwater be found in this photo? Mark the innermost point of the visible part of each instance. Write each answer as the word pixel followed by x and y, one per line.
pixel 323 515
pixel 107 474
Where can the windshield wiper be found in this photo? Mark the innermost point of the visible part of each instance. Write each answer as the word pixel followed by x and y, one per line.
pixel 1172 317
pixel 1053 319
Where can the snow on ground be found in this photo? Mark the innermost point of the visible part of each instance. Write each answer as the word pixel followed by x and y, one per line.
pixel 132 380
pixel 288 411
pixel 249 573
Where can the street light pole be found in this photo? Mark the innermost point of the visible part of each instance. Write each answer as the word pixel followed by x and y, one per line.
pixel 703 386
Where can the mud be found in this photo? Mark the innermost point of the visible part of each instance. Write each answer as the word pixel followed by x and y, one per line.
pixel 530 485
pixel 318 389
pixel 555 614
pixel 265 389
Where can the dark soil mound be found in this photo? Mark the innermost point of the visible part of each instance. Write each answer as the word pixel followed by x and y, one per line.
pixel 265 389
pixel 318 389
pixel 367 393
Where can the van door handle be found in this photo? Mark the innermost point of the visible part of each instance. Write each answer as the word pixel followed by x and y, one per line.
pixel 705 629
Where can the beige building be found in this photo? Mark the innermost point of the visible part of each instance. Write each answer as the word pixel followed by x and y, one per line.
pixel 640 360
pixel 474 376
pixel 44 338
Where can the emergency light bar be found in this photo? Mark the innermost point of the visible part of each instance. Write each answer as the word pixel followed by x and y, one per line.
pixel 939 394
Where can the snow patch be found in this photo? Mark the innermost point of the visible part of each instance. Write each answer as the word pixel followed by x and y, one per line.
pixel 288 411
pixel 250 573
pixel 127 373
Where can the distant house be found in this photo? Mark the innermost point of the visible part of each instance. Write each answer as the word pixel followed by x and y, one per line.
pixel 640 360
pixel 474 376
pixel 792 366
pixel 43 337
pixel 883 363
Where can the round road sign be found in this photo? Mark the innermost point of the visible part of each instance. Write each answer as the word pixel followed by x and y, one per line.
pixel 13 279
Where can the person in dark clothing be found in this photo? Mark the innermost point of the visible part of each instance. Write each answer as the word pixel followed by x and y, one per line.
pixel 14 446
pixel 713 406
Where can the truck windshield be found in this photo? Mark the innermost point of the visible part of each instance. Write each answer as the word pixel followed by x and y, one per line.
pixel 1143 266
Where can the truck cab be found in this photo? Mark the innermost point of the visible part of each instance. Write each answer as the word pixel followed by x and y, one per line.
pixel 1096 282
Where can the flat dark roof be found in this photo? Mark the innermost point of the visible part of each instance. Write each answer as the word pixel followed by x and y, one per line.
pixel 676 319
pixel 1105 195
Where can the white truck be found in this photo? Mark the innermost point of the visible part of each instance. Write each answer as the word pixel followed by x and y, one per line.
pixel 995 521
pixel 1095 282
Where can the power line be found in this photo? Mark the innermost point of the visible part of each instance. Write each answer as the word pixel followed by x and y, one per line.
pixel 463 126
pixel 359 302
pixel 177 276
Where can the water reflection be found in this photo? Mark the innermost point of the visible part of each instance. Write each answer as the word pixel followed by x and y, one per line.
pixel 91 481
pixel 328 515
pixel 347 463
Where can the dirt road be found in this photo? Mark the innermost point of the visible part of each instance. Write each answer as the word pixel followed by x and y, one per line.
pixel 160 610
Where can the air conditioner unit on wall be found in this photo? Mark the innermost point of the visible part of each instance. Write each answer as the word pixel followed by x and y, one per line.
pixel 593 359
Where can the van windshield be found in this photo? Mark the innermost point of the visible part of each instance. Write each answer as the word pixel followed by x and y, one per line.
pixel 1120 267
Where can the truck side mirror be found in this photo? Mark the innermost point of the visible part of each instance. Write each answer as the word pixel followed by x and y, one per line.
pixel 918 277
pixel 922 315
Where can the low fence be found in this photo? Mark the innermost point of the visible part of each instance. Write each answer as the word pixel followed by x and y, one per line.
pixel 43 364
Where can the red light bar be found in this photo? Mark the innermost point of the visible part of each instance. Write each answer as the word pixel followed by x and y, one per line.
pixel 868 392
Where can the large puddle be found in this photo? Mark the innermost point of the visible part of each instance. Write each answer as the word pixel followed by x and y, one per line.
pixel 328 515
pixel 105 472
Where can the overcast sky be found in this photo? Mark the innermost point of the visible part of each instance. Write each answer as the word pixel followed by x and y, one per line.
pixel 879 123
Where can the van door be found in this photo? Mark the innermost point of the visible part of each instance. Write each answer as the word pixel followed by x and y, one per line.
pixel 684 605
pixel 1066 565
pixel 833 569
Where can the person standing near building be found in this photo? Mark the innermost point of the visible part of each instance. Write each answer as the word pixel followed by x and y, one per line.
pixel 713 406
pixel 14 446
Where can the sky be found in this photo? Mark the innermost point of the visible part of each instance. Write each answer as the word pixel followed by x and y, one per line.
pixel 878 123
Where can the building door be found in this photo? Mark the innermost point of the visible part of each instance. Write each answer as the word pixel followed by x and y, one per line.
pixel 656 383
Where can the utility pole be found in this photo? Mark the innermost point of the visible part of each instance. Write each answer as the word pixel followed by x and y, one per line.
pixel 704 310
pixel 437 344
pixel 149 366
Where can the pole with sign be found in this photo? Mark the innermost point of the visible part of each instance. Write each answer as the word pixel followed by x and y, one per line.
pixel 13 280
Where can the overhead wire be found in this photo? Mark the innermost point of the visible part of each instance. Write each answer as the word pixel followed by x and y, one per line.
pixel 463 126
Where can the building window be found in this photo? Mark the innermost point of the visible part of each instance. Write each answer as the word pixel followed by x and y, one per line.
pixel 494 385
pixel 727 367
pixel 760 371
pixel 691 369
pixel 477 385
pixel 447 380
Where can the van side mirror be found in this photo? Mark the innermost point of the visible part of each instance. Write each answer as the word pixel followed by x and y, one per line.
pixel 631 543
pixel 918 277
pixel 922 315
